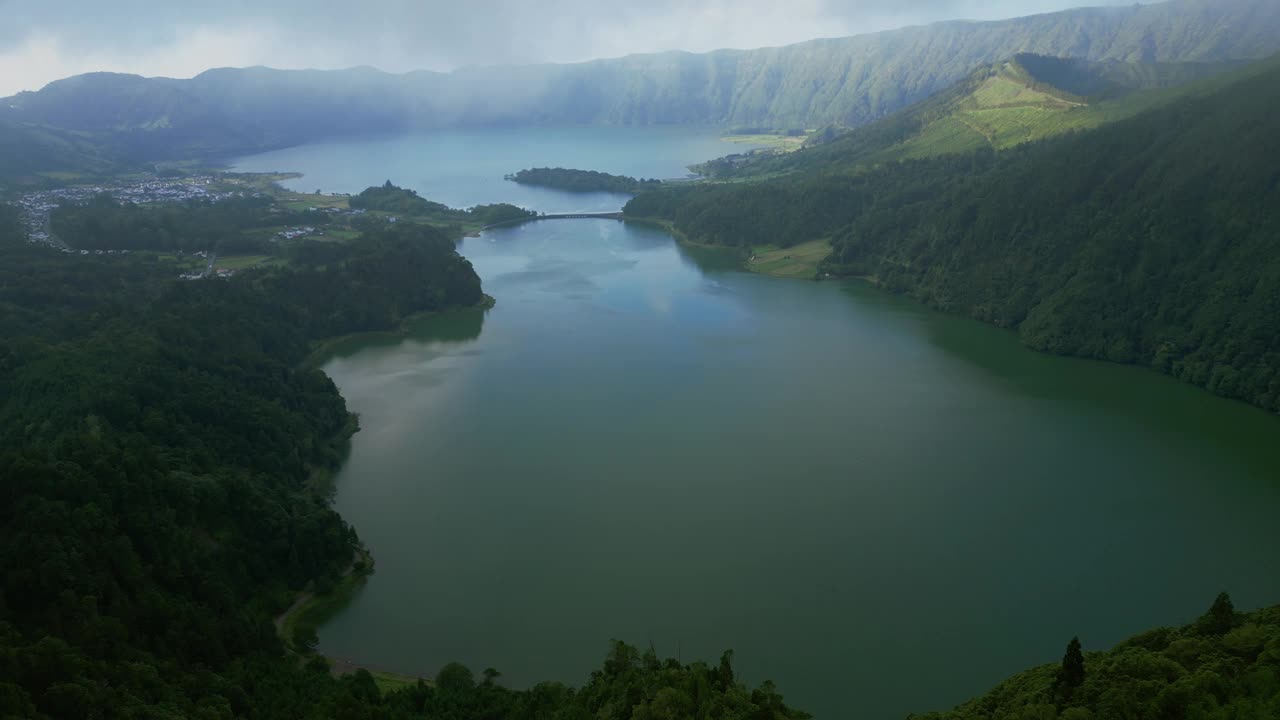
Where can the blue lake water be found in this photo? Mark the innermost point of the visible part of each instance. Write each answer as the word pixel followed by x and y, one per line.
pixel 882 508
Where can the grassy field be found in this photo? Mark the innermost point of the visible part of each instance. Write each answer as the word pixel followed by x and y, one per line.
pixel 64 176
pixel 389 681
pixel 299 201
pixel 184 262
pixel 269 183
pixel 798 261
pixel 780 142
pixel 1004 113
pixel 337 235
pixel 240 262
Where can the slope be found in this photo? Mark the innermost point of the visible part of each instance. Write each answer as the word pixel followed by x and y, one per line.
pixel 1151 240
pixel 998 106
pixel 29 151
pixel 846 81
pixel 1224 665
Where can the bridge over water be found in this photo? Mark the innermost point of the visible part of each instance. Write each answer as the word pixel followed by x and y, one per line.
pixel 616 215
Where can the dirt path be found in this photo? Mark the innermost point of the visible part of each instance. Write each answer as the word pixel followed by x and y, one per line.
pixel 307 595
pixel 302 599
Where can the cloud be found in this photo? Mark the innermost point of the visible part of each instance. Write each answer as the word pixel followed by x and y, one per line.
pixel 42 58
pixel 44 40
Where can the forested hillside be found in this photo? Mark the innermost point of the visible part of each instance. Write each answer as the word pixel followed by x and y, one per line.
pixel 845 81
pixel 28 149
pixel 1001 105
pixel 104 223
pixel 402 201
pixel 1224 666
pixel 158 439
pixel 159 443
pixel 1148 241
pixel 581 180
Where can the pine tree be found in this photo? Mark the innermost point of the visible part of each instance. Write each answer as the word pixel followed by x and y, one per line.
pixel 1071 676
pixel 1220 618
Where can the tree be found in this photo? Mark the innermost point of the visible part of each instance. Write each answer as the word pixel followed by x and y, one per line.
pixel 455 678
pixel 1071 676
pixel 1220 618
pixel 724 674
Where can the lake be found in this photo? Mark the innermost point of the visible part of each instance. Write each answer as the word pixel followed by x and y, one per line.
pixel 882 508
pixel 462 168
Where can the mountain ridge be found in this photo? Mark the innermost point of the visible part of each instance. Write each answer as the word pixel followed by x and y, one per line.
pixel 998 106
pixel 844 81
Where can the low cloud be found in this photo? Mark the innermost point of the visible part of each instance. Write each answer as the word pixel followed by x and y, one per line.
pixel 43 40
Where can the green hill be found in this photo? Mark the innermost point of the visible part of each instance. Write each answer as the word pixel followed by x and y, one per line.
pixel 32 152
pixel 998 106
pixel 1224 666
pixel 162 446
pixel 1151 240
pixel 842 81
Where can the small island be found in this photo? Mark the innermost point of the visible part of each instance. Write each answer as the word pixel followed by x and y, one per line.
pixel 581 180
pixel 394 199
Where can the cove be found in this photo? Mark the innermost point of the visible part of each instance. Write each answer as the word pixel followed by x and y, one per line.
pixel 882 508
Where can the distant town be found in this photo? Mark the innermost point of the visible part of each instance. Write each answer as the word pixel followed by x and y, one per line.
pixel 36 206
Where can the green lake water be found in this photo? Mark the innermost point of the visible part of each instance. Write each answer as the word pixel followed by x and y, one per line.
pixel 882 508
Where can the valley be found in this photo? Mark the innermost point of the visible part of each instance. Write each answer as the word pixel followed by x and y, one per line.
pixel 921 369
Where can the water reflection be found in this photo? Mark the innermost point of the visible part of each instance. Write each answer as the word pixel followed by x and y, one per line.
pixel 450 328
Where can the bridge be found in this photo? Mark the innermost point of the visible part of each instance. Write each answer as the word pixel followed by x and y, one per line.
pixel 616 215
pixel 595 216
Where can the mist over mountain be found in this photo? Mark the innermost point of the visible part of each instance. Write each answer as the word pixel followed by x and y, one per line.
pixel 847 81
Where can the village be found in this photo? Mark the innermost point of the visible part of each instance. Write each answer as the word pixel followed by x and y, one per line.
pixel 332 216
pixel 36 206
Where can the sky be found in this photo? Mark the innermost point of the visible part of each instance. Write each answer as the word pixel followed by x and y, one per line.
pixel 44 40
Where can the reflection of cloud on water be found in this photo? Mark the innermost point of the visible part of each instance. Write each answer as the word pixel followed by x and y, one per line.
pixel 404 390
pixel 562 277
pixel 659 302
pixel 715 287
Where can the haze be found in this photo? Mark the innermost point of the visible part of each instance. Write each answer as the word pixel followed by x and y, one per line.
pixel 41 42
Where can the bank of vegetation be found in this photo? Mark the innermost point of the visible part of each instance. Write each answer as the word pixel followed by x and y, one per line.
pixel 581 180
pixel 1223 666
pixel 238 224
pixel 389 198
pixel 157 443
pixel 1150 240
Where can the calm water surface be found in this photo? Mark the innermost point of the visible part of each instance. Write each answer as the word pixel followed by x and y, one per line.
pixel 882 508
pixel 461 168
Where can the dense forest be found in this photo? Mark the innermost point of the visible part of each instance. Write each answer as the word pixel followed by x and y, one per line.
pixel 1223 666
pixel 403 201
pixel 581 180
pixel 160 440
pixel 106 224
pixel 1151 240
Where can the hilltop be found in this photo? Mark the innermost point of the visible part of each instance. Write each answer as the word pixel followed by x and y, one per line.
pixel 998 106
pixel 846 82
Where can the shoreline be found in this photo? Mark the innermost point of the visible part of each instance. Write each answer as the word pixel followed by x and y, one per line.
pixel 324 347
pixel 312 610
pixel 746 255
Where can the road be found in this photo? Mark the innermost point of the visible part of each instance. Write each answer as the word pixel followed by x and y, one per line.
pixel 48 229
pixel 615 215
